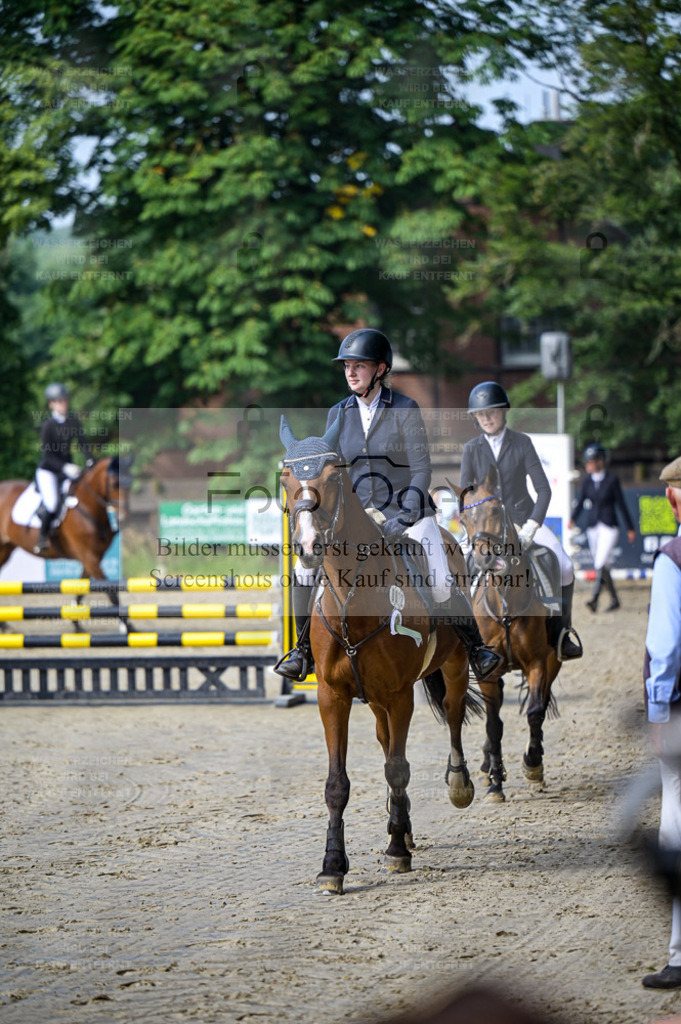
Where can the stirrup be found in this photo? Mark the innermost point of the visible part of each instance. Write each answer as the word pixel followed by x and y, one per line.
pixel 567 633
pixel 306 664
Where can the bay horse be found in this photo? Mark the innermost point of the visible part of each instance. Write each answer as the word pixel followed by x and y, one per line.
pixel 85 532
pixel 513 621
pixel 356 653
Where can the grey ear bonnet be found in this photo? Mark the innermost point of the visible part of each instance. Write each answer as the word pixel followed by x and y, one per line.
pixel 308 457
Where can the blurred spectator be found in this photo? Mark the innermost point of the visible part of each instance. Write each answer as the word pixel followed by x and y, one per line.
pixel 662 668
pixel 477 1005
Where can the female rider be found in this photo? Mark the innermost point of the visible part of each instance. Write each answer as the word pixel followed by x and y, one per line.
pixel 384 446
pixel 515 458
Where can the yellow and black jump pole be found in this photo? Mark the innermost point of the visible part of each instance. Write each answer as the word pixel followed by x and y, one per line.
pixel 291 692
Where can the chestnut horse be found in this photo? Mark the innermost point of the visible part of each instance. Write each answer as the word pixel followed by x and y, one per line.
pixel 513 621
pixel 85 532
pixel 360 647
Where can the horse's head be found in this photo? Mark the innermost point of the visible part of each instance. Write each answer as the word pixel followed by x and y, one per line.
pixel 314 492
pixel 109 480
pixel 490 531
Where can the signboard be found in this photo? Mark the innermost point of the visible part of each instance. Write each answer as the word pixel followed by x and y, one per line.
pixel 67 568
pixel 556 454
pixel 254 521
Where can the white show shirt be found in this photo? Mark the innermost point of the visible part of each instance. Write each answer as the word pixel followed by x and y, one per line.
pixel 495 442
pixel 366 412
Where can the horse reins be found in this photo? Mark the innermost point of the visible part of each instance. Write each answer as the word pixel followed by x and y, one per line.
pixel 314 507
pixel 492 539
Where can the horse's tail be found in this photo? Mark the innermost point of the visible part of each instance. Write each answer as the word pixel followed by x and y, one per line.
pixel 434 685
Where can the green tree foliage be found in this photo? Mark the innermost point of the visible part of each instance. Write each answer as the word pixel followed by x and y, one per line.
pixel 252 190
pixel 613 167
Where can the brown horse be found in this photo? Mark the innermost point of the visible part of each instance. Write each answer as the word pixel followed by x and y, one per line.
pixel 85 532
pixel 356 652
pixel 513 620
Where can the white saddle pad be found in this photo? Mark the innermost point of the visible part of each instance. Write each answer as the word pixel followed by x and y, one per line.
pixel 28 503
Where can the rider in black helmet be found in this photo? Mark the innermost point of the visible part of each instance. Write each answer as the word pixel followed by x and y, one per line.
pixel 515 459
pixel 384 444
pixel 58 432
pixel 600 496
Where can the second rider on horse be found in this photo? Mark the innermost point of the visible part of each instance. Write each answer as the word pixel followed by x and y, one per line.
pixel 58 432
pixel 384 445
pixel 515 458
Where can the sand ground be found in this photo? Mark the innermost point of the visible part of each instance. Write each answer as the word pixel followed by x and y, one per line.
pixel 157 862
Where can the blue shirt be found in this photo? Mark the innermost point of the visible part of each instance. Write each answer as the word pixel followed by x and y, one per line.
pixel 663 639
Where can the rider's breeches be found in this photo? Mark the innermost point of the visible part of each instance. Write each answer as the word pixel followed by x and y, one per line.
pixel 602 540
pixel 304 577
pixel 48 485
pixel 427 533
pixel 547 538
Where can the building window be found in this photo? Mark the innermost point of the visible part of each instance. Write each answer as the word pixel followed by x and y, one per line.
pixel 519 340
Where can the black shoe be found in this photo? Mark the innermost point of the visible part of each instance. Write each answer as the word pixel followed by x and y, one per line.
pixel 483 661
pixel 592 604
pixel 670 977
pixel 297 664
pixel 613 606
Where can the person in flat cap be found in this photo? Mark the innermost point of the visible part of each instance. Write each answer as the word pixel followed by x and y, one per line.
pixel 662 669
pixel 671 474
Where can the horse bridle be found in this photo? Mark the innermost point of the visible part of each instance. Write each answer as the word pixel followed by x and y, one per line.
pixel 314 506
pixel 494 540
pixel 107 502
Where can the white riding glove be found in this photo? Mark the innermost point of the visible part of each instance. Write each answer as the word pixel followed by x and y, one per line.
pixel 527 532
pixel 71 470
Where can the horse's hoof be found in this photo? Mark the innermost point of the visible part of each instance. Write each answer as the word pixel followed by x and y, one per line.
pixel 463 796
pixel 398 864
pixel 533 773
pixel 484 768
pixel 494 795
pixel 329 883
pixel 409 841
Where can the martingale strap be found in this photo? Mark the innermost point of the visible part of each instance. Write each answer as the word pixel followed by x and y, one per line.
pixel 343 639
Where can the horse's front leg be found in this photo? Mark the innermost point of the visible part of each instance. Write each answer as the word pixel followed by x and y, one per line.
pixel 492 762
pixel 457 776
pixel 383 737
pixel 533 765
pixel 397 774
pixel 335 711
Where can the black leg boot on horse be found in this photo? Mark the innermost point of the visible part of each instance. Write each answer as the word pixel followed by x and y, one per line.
pixel 560 628
pixel 458 613
pixel 592 603
pixel 43 543
pixel 610 587
pixel 298 663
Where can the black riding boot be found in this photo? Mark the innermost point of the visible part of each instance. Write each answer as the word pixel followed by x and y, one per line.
pixel 458 613
pixel 569 650
pixel 298 663
pixel 46 518
pixel 610 586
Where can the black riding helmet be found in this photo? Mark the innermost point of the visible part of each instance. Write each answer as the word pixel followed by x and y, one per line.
pixel 366 343
pixel 593 451
pixel 488 395
pixel 56 392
